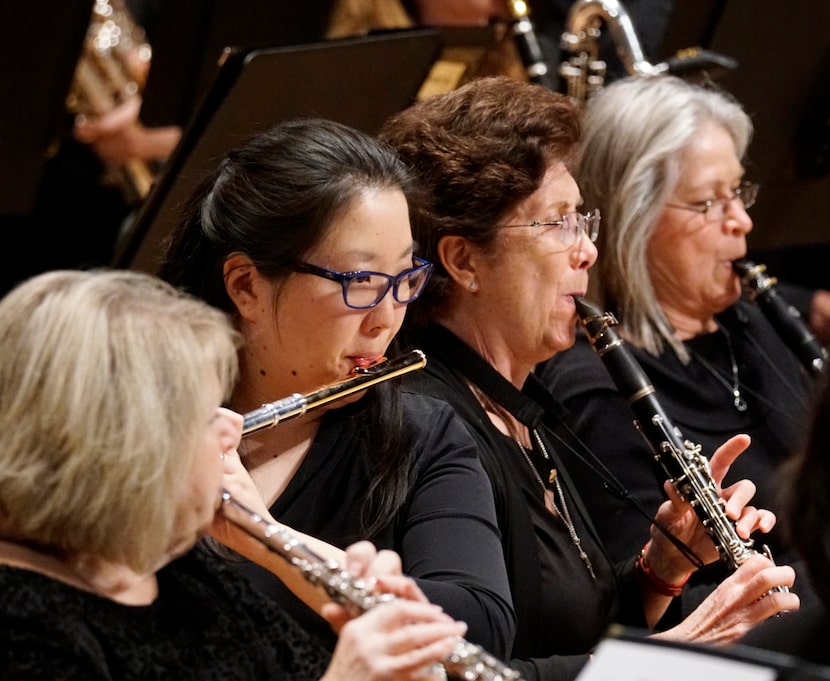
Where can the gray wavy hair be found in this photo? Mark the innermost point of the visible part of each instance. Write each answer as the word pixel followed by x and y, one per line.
pixel 635 132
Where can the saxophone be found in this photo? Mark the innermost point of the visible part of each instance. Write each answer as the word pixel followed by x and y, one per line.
pixel 112 67
pixel 584 72
pixel 686 467
pixel 785 319
pixel 467 661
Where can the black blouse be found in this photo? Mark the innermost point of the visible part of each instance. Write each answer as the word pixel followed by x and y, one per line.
pixel 206 624
pixel 771 380
pixel 446 533
pixel 562 611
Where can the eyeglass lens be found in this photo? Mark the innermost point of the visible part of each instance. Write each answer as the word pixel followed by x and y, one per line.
pixel 573 224
pixel 716 209
pixel 367 290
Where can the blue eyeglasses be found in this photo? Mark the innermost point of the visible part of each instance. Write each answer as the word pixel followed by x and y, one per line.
pixel 362 290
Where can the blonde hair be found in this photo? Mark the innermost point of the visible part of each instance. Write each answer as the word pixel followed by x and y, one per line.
pixel 103 403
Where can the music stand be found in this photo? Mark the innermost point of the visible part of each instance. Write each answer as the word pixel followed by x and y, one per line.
pixel 356 81
pixel 34 97
pixel 629 655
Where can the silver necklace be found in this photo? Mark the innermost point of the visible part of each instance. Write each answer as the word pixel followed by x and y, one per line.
pixel 738 400
pixel 549 495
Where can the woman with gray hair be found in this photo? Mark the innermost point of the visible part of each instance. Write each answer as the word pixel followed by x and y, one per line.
pixel 663 161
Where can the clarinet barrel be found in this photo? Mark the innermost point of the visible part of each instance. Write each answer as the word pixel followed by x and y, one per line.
pixel 784 317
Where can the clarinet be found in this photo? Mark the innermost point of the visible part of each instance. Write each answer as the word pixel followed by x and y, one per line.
pixel 686 467
pixel 467 661
pixel 528 47
pixel 785 318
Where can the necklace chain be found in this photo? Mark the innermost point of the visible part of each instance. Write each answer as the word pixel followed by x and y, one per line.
pixel 561 509
pixel 738 400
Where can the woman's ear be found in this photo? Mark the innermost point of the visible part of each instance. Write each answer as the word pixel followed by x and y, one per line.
pixel 244 285
pixel 459 260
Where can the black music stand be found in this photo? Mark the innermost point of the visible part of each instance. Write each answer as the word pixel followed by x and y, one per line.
pixel 356 81
pixel 39 58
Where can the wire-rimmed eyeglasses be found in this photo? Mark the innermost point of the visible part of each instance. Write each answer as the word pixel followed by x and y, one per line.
pixel 571 226
pixel 714 210
pixel 365 289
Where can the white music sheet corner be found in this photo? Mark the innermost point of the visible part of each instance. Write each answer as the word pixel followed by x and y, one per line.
pixel 621 660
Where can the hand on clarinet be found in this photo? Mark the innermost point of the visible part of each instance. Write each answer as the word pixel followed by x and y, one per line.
pixel 681 520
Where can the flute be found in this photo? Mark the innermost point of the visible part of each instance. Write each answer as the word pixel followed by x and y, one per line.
pixel 466 661
pixel 271 413
pixel 686 467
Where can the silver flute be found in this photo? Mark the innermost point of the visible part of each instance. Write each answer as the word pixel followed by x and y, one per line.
pixel 466 661
pixel 295 405
pixel 686 467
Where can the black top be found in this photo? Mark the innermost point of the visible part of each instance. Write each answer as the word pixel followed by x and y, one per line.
pixel 562 612
pixel 771 380
pixel 446 533
pixel 802 633
pixel 206 623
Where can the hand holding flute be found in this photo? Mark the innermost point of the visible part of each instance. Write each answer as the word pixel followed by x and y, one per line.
pixel 314 571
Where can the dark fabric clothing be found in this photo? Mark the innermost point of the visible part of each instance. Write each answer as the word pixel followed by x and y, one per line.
pixel 802 633
pixel 207 623
pixel 771 381
pixel 446 533
pixel 561 611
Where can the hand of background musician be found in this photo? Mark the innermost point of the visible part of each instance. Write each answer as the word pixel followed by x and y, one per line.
pixel 819 316
pixel 118 136
pixel 682 521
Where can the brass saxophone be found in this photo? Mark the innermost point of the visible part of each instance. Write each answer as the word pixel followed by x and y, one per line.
pixel 113 67
pixel 584 72
pixel 467 661
pixel 685 466
pixel 785 319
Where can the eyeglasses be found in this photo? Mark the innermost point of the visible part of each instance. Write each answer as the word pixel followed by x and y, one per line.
pixel 362 290
pixel 571 226
pixel 714 210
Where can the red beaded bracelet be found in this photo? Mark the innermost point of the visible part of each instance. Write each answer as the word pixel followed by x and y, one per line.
pixel 653 582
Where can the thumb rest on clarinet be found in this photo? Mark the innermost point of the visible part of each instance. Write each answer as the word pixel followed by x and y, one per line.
pixel 686 467
pixel 467 661
pixel 785 319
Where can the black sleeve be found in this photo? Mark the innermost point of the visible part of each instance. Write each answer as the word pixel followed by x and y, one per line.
pixel 449 537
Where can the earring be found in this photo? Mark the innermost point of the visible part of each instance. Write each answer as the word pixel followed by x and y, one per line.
pixel 473 285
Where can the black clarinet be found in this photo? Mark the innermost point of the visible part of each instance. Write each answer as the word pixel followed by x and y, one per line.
pixel 528 47
pixel 784 317
pixel 684 464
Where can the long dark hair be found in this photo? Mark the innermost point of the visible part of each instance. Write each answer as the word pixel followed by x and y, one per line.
pixel 273 199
